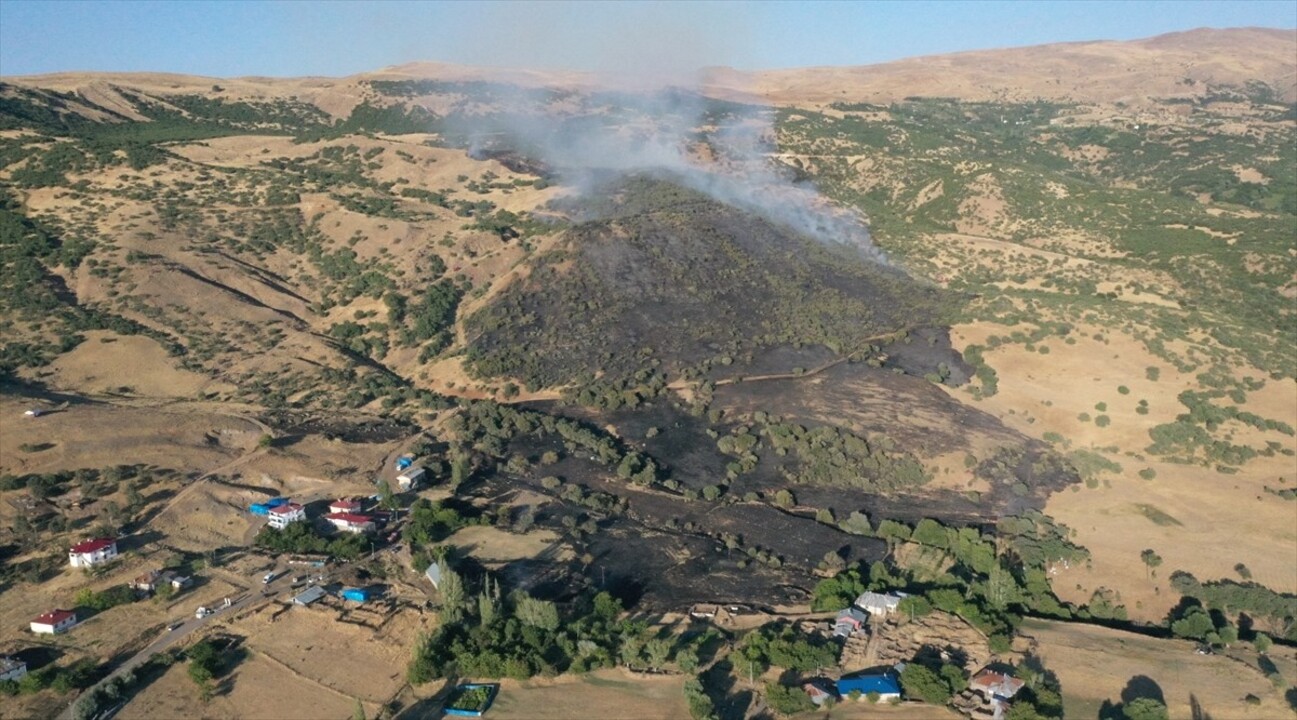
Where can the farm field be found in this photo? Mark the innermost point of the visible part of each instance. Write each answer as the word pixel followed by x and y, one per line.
pixel 606 694
pixel 1097 666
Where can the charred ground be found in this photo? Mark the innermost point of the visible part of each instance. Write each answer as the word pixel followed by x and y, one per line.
pixel 669 281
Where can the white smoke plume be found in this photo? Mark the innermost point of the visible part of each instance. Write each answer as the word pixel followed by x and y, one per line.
pixel 720 149
pixel 647 112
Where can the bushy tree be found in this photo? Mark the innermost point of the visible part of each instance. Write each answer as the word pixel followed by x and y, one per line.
pixel 787 700
pixel 1144 709
pixel 920 682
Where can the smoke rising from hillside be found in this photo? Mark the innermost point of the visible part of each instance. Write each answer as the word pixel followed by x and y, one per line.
pixel 718 148
pixel 652 117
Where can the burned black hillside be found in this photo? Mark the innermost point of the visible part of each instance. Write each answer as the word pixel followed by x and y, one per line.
pixel 670 280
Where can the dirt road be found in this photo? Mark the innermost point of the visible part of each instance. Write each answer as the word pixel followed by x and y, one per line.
pixel 176 635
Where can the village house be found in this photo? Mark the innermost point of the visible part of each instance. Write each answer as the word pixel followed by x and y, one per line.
pixel 886 684
pixel 820 690
pixel 54 622
pixel 347 505
pixel 850 621
pixel 283 515
pixel 92 552
pixel 411 479
pixel 995 692
pixel 879 603
pixel 12 669
pixel 150 581
pixel 351 522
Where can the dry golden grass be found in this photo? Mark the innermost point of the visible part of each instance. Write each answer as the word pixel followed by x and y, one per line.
pixel 601 695
pixel 257 688
pixel 108 363
pixel 491 544
pixel 96 435
pixel 1095 664
pixel 1041 394
pixel 1087 71
pixel 347 659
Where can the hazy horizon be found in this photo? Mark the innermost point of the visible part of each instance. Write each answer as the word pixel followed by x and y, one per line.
pixel 332 39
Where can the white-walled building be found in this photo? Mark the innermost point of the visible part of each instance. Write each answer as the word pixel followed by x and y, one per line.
pixel 282 516
pixel 412 479
pixel 54 622
pixel 351 522
pixel 347 506
pixel 92 552
pixel 879 603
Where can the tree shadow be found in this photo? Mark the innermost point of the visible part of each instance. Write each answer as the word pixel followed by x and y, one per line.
pixel 721 685
pixel 1196 712
pixel 430 707
pixel 1139 686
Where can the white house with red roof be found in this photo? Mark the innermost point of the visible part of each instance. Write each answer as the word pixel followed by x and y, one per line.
pixel 351 522
pixel 54 622
pixel 346 505
pixel 92 552
pixel 283 515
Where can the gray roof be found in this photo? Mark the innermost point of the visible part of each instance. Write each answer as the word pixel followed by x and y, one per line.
pixel 434 574
pixel 8 663
pixel 870 600
pixel 310 595
pixel 854 613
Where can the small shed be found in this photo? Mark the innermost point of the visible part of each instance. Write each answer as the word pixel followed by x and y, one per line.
pixel 849 622
pixel 434 574
pixel 412 478
pixel 819 690
pixel 357 594
pixel 309 596
pixel 12 669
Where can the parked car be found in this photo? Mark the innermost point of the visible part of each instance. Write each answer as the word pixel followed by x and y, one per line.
pixel 270 576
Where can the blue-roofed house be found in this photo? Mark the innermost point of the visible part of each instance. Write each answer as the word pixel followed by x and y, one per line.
pixel 886 684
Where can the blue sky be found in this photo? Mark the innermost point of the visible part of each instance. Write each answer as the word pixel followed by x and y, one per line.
pixel 338 38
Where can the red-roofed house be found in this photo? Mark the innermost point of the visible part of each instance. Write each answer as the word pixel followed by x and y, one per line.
pixel 281 516
pixel 351 522
pixel 346 505
pixel 92 552
pixel 996 690
pixel 54 621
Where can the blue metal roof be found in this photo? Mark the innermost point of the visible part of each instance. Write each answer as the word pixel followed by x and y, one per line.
pixel 881 684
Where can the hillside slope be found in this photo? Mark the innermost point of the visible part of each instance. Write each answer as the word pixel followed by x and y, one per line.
pixel 1188 64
